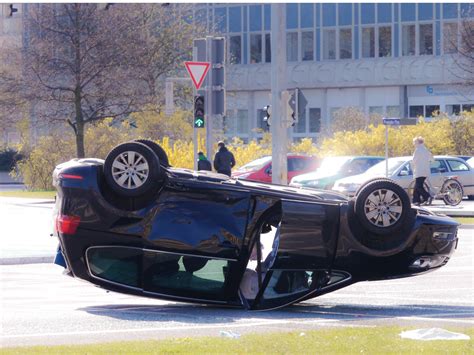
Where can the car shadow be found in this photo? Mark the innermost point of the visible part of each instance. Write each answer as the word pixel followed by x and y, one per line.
pixel 200 314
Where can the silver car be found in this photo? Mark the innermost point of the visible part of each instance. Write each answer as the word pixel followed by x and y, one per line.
pixel 399 170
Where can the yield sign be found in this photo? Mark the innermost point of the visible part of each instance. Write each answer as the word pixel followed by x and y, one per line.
pixel 197 71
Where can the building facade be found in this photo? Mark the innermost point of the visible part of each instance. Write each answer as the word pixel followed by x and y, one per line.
pixel 396 60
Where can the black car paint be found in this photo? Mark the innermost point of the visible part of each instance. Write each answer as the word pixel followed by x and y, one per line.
pixel 200 213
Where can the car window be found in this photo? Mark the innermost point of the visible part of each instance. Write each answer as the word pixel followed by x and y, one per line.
pixel 296 164
pixel 406 170
pixel 457 165
pixel 438 166
pixel 357 166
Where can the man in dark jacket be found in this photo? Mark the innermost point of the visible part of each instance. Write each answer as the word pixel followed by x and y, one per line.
pixel 203 163
pixel 224 160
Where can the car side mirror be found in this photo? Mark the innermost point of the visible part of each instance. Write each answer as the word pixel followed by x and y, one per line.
pixel 403 173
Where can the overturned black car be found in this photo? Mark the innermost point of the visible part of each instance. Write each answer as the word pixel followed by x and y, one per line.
pixel 133 224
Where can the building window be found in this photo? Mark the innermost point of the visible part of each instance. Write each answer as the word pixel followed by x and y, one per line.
pixel 384 13
pixel 314 120
pixel 235 52
pixel 393 111
pixel 237 122
pixel 408 39
pixel 468 107
pixel 235 19
pixel 375 110
pixel 385 41
pixel 307 46
pixel 425 12
pixel 426 39
pixel 416 111
pixel 345 43
pixel 306 15
pixel 268 48
pixel 291 16
pixel 408 12
pixel 220 19
pixel 367 13
pixel 450 37
pixel 255 17
pixel 329 15
pixel 345 14
pixel 329 44
pixel 453 110
pixel 368 42
pixel 292 46
pixel 450 10
pixel 255 48
pixel 431 110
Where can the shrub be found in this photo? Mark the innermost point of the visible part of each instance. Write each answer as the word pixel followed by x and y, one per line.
pixel 8 159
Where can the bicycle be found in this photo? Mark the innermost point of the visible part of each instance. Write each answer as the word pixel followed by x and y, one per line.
pixel 451 191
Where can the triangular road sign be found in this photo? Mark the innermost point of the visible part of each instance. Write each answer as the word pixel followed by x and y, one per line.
pixel 197 71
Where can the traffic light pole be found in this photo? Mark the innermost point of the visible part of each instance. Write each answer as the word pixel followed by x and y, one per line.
pixel 208 103
pixel 278 128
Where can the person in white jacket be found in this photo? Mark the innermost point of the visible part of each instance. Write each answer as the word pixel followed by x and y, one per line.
pixel 421 170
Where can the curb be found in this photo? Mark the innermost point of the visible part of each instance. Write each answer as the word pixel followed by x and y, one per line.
pixel 27 260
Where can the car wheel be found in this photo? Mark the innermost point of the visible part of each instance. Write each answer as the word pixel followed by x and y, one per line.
pixel 370 180
pixel 383 207
pixel 132 169
pixel 157 149
pixel 452 192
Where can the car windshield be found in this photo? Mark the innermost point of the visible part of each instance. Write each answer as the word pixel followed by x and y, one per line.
pixel 332 164
pixel 256 164
pixel 379 169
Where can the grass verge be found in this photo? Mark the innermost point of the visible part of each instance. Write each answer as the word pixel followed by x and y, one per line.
pixel 28 194
pixel 360 340
pixel 465 220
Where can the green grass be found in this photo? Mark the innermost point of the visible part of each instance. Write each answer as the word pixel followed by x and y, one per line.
pixel 465 220
pixel 358 340
pixel 28 194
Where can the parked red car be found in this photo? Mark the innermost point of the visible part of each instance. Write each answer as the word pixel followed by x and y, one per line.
pixel 261 169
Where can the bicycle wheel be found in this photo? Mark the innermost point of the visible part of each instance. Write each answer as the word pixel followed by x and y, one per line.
pixel 411 187
pixel 452 192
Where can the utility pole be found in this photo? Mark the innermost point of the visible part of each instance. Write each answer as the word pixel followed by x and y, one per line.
pixel 278 128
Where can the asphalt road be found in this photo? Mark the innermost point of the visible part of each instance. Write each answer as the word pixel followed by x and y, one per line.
pixel 39 305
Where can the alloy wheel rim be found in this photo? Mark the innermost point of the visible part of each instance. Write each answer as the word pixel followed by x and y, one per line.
pixel 383 208
pixel 454 193
pixel 130 170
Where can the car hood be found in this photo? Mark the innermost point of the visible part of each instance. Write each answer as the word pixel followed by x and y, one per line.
pixel 314 176
pixel 358 179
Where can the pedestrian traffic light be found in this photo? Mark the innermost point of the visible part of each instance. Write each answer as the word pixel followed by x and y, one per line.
pixel 199 111
pixel 267 110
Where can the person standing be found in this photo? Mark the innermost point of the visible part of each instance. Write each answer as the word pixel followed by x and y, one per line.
pixel 421 170
pixel 203 163
pixel 224 160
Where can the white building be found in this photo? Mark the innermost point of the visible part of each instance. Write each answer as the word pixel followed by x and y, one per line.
pixel 391 59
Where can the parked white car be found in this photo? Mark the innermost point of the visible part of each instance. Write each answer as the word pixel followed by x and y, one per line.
pixel 399 170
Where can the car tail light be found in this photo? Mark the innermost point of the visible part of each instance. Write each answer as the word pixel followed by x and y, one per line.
pixel 67 224
pixel 71 176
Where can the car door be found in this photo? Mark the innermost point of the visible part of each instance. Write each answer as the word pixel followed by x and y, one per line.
pixel 464 174
pixel 302 256
pixel 439 171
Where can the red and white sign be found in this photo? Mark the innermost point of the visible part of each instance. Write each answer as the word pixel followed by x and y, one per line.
pixel 197 71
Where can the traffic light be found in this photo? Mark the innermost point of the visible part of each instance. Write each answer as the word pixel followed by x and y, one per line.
pixel 199 111
pixel 267 110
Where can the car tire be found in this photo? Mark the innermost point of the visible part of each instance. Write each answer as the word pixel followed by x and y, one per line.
pixel 452 192
pixel 157 149
pixel 132 169
pixel 383 207
pixel 370 180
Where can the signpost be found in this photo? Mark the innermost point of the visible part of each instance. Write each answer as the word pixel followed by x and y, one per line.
pixel 394 121
pixel 197 71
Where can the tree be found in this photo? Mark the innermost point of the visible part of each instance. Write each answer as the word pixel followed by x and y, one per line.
pixel 459 40
pixel 84 63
